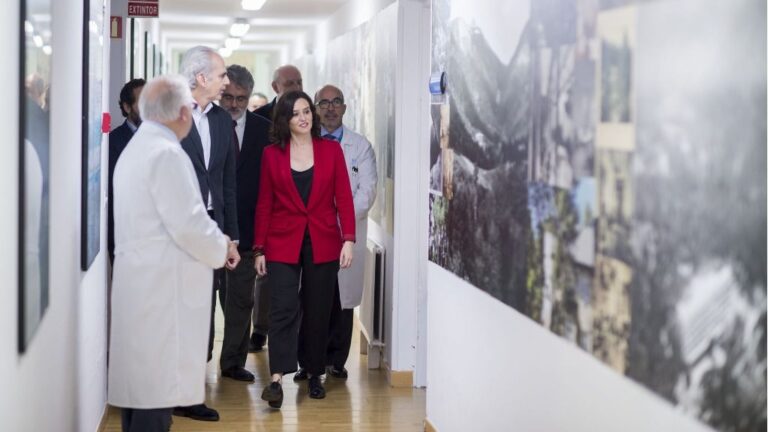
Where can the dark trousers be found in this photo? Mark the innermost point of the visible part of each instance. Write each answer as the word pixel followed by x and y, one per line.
pixel 314 301
pixel 236 297
pixel 260 316
pixel 219 277
pixel 146 420
pixel 339 333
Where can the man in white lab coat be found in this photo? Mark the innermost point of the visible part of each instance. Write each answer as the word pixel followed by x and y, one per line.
pixel 361 165
pixel 165 248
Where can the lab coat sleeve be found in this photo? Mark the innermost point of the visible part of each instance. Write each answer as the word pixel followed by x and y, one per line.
pixel 365 194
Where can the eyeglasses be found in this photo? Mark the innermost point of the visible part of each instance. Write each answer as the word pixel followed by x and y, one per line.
pixel 228 98
pixel 325 103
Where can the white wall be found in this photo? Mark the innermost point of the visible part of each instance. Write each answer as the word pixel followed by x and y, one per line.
pixel 493 369
pixel 405 280
pixel 59 383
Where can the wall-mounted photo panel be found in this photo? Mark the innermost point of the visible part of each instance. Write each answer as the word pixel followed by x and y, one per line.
pixel 608 180
pixel 93 72
pixel 34 165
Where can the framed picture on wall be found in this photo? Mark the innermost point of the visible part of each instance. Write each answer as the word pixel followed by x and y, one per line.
pixel 93 72
pixel 34 145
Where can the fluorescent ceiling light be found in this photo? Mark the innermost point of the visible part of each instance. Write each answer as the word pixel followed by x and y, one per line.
pixel 225 52
pixel 232 43
pixel 253 4
pixel 28 27
pixel 38 40
pixel 239 28
pixel 47 50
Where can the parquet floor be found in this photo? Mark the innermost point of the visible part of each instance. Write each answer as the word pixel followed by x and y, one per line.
pixel 365 402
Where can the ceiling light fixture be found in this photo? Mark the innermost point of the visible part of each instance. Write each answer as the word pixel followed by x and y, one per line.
pixel 232 43
pixel 253 4
pixel 225 52
pixel 239 28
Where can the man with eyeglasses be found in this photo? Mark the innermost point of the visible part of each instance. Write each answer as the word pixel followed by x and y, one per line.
pixel 286 78
pixel 250 134
pixel 361 165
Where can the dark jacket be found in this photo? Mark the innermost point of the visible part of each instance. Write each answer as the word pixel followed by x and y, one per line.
pixel 118 139
pixel 219 177
pixel 255 138
pixel 266 110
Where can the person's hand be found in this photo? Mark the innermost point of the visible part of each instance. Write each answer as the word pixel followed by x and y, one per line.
pixel 261 265
pixel 345 260
pixel 233 257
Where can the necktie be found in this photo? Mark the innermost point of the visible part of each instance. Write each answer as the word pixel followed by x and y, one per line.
pixel 330 137
pixel 235 142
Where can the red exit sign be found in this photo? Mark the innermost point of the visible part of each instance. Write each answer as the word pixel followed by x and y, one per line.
pixel 143 8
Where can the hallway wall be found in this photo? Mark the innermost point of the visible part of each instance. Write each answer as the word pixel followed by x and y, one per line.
pixel 59 383
pixel 598 216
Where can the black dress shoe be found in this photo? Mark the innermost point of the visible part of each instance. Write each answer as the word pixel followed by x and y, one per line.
pixel 238 373
pixel 316 389
pixel 336 372
pixel 256 344
pixel 273 393
pixel 300 375
pixel 197 412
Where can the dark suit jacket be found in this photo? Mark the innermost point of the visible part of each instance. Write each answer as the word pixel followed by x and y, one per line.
pixel 118 139
pixel 266 110
pixel 255 138
pixel 282 217
pixel 218 177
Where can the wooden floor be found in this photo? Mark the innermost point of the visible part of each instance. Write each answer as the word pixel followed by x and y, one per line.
pixel 365 402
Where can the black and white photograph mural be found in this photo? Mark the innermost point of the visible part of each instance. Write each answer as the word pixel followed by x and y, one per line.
pixel 600 166
pixel 362 63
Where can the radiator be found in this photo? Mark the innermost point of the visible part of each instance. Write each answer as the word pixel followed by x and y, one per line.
pixel 372 305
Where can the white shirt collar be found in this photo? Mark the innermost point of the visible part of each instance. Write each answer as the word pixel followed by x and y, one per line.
pixel 241 120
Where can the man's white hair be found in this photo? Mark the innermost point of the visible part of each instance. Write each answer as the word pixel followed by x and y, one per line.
pixel 162 98
pixel 195 61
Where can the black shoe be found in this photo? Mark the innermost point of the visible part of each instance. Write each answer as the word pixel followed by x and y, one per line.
pixel 256 344
pixel 273 394
pixel 238 373
pixel 300 375
pixel 340 373
pixel 316 390
pixel 197 412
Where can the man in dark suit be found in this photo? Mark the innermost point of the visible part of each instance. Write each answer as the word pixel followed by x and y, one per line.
pixel 251 133
pixel 209 146
pixel 285 78
pixel 118 139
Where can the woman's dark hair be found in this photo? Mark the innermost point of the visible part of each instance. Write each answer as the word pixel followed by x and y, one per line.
pixel 283 113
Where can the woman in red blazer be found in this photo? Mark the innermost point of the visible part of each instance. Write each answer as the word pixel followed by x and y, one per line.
pixel 304 194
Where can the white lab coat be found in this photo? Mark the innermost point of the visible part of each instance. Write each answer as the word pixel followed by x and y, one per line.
pixel 166 247
pixel 361 165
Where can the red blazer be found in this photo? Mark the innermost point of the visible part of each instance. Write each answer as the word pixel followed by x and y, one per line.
pixel 281 216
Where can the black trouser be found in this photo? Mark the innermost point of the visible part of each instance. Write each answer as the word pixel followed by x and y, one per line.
pixel 146 420
pixel 218 282
pixel 315 301
pixel 260 316
pixel 236 297
pixel 339 333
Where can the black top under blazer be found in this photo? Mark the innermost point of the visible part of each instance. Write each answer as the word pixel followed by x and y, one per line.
pixel 255 138
pixel 219 177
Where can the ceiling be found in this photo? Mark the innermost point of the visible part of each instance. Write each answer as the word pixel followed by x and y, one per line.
pixel 274 28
